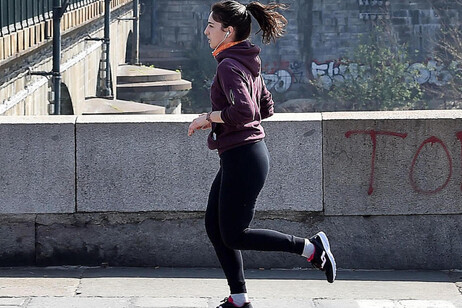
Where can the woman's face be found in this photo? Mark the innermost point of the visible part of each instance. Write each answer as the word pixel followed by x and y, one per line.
pixel 214 32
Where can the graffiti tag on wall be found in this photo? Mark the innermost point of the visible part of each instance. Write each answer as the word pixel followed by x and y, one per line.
pixel 280 81
pixel 431 141
pixel 281 76
pixel 332 72
pixel 431 72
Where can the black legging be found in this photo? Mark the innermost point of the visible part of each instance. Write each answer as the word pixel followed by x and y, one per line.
pixel 231 208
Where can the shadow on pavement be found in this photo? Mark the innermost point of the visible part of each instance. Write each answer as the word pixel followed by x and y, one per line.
pixel 214 273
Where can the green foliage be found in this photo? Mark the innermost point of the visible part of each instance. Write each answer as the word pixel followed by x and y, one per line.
pixel 449 52
pixel 376 78
pixel 455 68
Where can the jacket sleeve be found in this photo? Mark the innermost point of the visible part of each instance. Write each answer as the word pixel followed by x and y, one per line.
pixel 266 101
pixel 241 109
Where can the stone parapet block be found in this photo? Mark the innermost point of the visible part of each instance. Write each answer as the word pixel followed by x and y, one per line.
pixel 37 158
pixel 156 166
pixel 364 163
pixel 295 180
pixel 141 163
pixel 392 163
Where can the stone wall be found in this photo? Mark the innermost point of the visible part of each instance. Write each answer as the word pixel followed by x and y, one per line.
pixel 318 35
pixel 131 190
pixel 322 30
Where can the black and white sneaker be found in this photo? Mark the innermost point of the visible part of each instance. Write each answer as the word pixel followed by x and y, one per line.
pixel 228 303
pixel 323 258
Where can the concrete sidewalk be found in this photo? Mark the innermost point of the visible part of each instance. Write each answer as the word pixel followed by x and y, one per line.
pixel 83 287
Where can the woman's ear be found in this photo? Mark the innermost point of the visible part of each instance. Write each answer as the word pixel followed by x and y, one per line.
pixel 229 31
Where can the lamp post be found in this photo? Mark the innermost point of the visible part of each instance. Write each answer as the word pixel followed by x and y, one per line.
pixel 107 41
pixel 136 36
pixel 58 12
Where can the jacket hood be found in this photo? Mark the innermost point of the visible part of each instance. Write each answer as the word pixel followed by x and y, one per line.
pixel 246 53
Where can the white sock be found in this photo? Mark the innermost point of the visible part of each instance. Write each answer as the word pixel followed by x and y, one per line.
pixel 240 299
pixel 308 250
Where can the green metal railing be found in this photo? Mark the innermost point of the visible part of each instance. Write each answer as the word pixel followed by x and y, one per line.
pixel 19 14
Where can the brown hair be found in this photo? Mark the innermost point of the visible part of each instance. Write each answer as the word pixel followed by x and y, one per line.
pixel 234 14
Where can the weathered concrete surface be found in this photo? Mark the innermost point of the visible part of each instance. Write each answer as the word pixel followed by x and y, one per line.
pixel 17 240
pixel 295 179
pixel 205 288
pixel 121 239
pixel 138 73
pixel 179 239
pixel 37 165
pixel 131 190
pixel 416 163
pixel 115 106
pixel 136 163
pixel 152 86
pixel 133 164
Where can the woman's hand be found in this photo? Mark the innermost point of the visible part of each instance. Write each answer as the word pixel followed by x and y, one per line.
pixel 199 123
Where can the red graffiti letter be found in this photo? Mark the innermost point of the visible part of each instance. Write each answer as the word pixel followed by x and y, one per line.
pixel 373 135
pixel 431 140
pixel 459 136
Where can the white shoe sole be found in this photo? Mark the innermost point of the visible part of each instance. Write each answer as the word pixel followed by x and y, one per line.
pixel 326 246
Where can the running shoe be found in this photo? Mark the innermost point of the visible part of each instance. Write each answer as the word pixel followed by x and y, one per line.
pixel 228 303
pixel 323 258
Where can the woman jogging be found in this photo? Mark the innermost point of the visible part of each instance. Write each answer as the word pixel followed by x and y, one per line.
pixel 240 101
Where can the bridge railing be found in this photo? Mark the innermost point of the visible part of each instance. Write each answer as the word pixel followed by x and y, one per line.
pixel 26 23
pixel 20 14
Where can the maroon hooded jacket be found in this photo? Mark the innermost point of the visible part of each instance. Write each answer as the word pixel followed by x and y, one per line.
pixel 239 92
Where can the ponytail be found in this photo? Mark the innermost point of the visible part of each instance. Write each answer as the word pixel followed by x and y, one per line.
pixel 272 24
pixel 234 14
